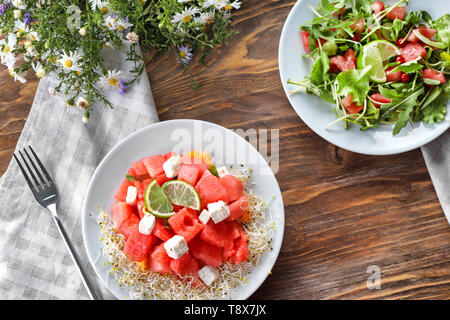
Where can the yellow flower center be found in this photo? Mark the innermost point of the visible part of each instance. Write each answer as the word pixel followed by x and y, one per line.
pixel 68 63
pixel 182 54
pixel 120 28
pixel 32 37
pixel 228 7
pixel 7 48
pixel 113 82
pixel 187 19
pixel 104 10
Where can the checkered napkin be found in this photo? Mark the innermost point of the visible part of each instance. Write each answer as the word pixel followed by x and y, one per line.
pixel 437 159
pixel 34 262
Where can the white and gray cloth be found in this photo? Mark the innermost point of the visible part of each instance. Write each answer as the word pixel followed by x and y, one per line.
pixel 437 159
pixel 34 262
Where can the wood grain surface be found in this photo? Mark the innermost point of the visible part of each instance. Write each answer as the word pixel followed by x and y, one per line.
pixel 344 211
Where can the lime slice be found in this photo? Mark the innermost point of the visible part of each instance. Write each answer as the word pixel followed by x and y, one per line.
pixel 375 54
pixel 182 194
pixel 156 202
pixel 372 57
pixel 387 49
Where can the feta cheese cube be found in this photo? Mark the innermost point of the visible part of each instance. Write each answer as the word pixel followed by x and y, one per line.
pixel 223 171
pixel 176 247
pixel 204 216
pixel 147 224
pixel 208 274
pixel 219 211
pixel 171 166
pixel 131 195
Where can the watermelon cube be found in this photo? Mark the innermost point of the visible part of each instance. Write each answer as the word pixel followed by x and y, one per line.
pixel 121 211
pixel 140 169
pixel 186 224
pixel 210 189
pixel 186 265
pixel 189 173
pixel 238 252
pixel 161 231
pixel 159 261
pixel 141 188
pixel 140 208
pixel 129 226
pixel 121 194
pixel 154 165
pixel 195 162
pixel 221 234
pixel 233 185
pixel 208 254
pixel 161 179
pixel 238 208
pixel 138 245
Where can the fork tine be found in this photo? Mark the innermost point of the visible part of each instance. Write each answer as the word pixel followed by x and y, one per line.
pixel 49 179
pixel 35 168
pixel 30 184
pixel 35 180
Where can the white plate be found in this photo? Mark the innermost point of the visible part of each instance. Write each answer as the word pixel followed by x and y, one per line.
pixel 161 138
pixel 317 114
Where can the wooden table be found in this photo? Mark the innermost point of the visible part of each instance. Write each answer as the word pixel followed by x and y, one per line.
pixel 344 211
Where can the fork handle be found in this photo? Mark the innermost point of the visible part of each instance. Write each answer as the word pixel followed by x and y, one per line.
pixel 76 259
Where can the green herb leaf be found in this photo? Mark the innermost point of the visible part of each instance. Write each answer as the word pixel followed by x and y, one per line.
pixel 356 82
pixel 131 178
pixel 442 25
pixel 434 109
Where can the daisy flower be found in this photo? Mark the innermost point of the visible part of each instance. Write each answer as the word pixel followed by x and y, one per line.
pixel 112 79
pixel 111 22
pixel 233 5
pixel 20 4
pixel 20 26
pixel 185 54
pixel 132 37
pixel 38 69
pixel 7 46
pixel 103 6
pixel 185 16
pixel 123 24
pixel 205 18
pixel 70 62
pixel 218 4
pixel 82 103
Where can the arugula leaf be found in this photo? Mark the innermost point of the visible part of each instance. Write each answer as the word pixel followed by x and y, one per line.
pixel 435 110
pixel 131 178
pixel 442 25
pixel 319 72
pixel 356 82
pixel 402 120
pixel 426 16
pixel 411 68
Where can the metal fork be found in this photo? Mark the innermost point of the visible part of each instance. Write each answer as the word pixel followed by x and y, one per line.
pixel 45 193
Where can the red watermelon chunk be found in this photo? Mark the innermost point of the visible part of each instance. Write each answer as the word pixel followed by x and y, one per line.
pixel 154 165
pixel 186 265
pixel 425 31
pixel 397 13
pixel 186 224
pixel 412 51
pixel 161 179
pixel 233 185
pixel 238 208
pixel 210 189
pixel 140 207
pixel 138 245
pixel 160 230
pixel 141 188
pixel 208 254
pixel 121 211
pixel 434 75
pixel 140 169
pixel 195 162
pixel 121 194
pixel 129 226
pixel 221 234
pixel 238 252
pixel 159 261
pixel 189 173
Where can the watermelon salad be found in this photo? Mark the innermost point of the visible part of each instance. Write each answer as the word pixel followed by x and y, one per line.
pixel 181 228
pixel 378 64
